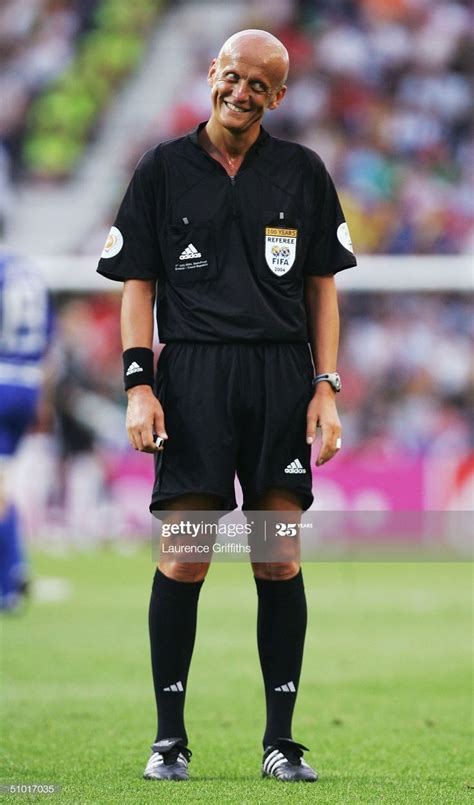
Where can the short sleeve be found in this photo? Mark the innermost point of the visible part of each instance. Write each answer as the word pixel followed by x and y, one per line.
pixel 132 250
pixel 330 246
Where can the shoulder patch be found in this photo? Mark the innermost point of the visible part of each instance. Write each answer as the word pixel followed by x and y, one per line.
pixel 113 244
pixel 344 237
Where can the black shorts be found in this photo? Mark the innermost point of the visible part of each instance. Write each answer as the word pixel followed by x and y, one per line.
pixel 234 408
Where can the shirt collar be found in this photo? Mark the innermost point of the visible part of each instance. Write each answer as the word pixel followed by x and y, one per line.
pixel 261 140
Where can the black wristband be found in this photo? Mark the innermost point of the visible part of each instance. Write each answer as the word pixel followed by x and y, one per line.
pixel 138 367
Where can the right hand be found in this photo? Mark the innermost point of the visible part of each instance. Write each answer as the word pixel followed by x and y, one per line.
pixel 144 418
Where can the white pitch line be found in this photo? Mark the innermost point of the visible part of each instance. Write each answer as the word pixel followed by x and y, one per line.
pixel 47 590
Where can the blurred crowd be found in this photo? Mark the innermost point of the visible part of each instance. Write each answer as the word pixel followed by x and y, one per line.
pixel 405 359
pixel 38 39
pixel 61 62
pixel 408 393
pixel 381 90
pixel 408 374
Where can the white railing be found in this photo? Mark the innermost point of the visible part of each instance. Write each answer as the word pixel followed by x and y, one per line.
pixel 374 273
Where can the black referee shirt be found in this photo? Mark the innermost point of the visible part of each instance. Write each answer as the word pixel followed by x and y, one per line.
pixel 229 254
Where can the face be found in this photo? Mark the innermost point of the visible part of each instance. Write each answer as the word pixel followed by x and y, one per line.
pixel 243 87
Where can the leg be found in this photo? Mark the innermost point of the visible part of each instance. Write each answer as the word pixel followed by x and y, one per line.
pixel 281 627
pixel 17 410
pixel 276 458
pixel 195 471
pixel 172 625
pixel 189 571
pixel 13 569
pixel 278 500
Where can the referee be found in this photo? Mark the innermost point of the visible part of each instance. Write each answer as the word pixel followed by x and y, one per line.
pixel 238 235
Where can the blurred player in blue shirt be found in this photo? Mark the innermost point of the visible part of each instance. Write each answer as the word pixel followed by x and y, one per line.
pixel 25 332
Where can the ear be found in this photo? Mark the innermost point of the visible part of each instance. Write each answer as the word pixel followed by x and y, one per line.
pixel 212 72
pixel 275 103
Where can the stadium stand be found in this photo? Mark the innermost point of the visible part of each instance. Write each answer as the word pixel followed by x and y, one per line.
pixel 61 62
pixel 380 89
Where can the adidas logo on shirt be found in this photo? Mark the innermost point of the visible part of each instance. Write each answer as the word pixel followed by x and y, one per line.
pixel 190 253
pixel 134 367
pixel 289 687
pixel 176 688
pixel 295 467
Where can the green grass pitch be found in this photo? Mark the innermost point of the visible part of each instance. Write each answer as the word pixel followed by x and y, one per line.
pixel 384 701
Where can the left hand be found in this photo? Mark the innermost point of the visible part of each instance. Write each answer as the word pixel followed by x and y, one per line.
pixel 322 411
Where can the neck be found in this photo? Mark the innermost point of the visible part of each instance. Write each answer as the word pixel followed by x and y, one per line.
pixel 228 143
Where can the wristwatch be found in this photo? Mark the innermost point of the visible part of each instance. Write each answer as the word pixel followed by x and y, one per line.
pixel 331 377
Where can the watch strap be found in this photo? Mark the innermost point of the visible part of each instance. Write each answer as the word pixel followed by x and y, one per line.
pixel 330 377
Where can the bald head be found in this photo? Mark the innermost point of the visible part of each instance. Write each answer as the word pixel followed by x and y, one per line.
pixel 258 47
pixel 247 79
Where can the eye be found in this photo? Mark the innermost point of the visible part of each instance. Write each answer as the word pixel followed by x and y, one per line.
pixel 259 86
pixel 231 76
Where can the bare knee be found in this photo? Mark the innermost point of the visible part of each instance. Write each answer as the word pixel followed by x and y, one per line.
pixel 275 571
pixel 185 571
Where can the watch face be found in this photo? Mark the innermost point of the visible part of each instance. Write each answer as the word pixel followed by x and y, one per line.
pixel 337 382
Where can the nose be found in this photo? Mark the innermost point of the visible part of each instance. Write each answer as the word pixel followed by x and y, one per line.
pixel 240 90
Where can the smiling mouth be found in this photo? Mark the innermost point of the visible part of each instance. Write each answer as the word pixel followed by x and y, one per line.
pixel 234 108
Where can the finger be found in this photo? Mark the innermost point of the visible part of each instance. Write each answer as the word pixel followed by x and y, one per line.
pixel 330 445
pixel 132 438
pixel 138 439
pixel 148 440
pixel 159 436
pixel 133 431
pixel 150 449
pixel 159 426
pixel 310 429
pixel 324 456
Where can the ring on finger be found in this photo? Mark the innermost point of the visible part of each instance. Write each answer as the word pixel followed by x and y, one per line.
pixel 338 443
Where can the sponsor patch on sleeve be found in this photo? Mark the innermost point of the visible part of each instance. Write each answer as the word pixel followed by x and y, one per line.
pixel 344 237
pixel 113 244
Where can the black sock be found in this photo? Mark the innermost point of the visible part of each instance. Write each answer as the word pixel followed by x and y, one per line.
pixel 172 623
pixel 281 628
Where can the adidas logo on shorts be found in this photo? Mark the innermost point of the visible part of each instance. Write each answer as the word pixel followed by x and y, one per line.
pixel 295 467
